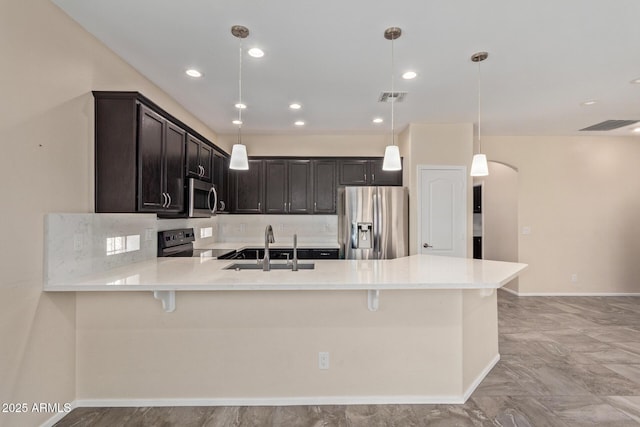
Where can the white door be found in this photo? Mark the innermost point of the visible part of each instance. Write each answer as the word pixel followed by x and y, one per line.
pixel 442 220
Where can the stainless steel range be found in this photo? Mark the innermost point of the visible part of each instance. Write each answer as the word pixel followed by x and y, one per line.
pixel 179 243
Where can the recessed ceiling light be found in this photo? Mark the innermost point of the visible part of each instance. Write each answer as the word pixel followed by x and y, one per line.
pixel 237 122
pixel 377 120
pixel 241 106
pixel 191 72
pixel 299 123
pixel 409 75
pixel 255 52
pixel 589 102
pixel 636 130
pixel 635 81
pixel 295 106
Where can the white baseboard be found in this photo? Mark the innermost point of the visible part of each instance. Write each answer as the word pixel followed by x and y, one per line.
pixel 275 401
pixel 472 387
pixel 282 401
pixel 571 294
pixel 58 416
pixel 511 291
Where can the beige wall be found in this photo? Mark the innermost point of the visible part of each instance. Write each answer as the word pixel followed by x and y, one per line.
pixel 435 144
pixel 311 145
pixel 49 68
pixel 500 215
pixel 580 196
pixel 219 345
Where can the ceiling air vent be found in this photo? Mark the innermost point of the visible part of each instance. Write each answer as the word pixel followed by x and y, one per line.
pixel 392 96
pixel 610 125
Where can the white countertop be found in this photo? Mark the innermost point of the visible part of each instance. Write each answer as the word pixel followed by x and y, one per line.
pixel 206 274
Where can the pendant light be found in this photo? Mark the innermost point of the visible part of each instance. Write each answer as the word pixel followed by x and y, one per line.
pixel 391 160
pixel 239 160
pixel 479 165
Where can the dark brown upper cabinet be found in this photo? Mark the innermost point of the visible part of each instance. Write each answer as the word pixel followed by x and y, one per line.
pixel 324 186
pixel 220 178
pixel 287 186
pixel 140 156
pixel 382 177
pixel 160 167
pixel 199 159
pixel 366 171
pixel 247 193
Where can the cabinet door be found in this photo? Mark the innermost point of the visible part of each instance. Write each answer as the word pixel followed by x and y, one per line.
pixel 247 189
pixel 151 182
pixel 206 161
pixel 199 159
pixel 193 155
pixel 324 186
pixel 353 172
pixel 220 173
pixel 382 177
pixel 174 167
pixel 300 192
pixel 275 180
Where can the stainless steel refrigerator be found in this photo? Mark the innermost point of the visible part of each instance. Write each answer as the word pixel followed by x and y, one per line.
pixel 373 222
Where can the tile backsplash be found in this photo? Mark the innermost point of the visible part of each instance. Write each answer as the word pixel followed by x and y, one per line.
pixel 250 228
pixel 84 243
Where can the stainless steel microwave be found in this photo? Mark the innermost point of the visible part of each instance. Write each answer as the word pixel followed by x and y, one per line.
pixel 203 199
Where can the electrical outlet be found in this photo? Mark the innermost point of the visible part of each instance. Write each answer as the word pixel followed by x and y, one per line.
pixel 526 230
pixel 78 239
pixel 243 228
pixel 323 360
pixel 574 278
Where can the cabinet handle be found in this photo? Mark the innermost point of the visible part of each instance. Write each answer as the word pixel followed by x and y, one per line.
pixel 258 206
pixel 285 206
pixel 222 205
pixel 289 207
pixel 315 206
pixel 169 197
pixel 164 200
pixel 365 177
pixel 373 177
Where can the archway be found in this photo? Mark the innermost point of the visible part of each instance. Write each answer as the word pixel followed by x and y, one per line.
pixel 499 215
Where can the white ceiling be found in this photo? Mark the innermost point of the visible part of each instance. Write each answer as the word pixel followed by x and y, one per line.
pixel 545 58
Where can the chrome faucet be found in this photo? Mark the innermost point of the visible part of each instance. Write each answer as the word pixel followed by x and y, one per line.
pixel 268 238
pixel 294 266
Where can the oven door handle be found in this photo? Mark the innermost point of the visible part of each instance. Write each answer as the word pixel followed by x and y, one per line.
pixel 215 199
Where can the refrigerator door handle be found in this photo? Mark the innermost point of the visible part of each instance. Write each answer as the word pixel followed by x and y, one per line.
pixel 376 226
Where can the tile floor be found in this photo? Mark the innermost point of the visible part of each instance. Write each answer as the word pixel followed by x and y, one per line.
pixel 565 361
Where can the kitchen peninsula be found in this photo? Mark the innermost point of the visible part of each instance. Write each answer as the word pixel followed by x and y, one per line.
pixel 254 337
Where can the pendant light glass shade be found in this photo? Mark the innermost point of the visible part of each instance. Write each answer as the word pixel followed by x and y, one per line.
pixel 239 159
pixel 479 165
pixel 391 160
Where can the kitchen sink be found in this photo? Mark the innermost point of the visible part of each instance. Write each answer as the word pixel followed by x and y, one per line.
pixel 274 266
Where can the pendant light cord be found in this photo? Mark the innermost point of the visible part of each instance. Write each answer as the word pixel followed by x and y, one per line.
pixel 393 95
pixel 240 93
pixel 479 109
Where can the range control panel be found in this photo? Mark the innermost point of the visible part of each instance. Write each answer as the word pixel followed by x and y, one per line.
pixel 170 238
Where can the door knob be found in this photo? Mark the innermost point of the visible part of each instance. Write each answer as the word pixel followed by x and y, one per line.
pixel 426 245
